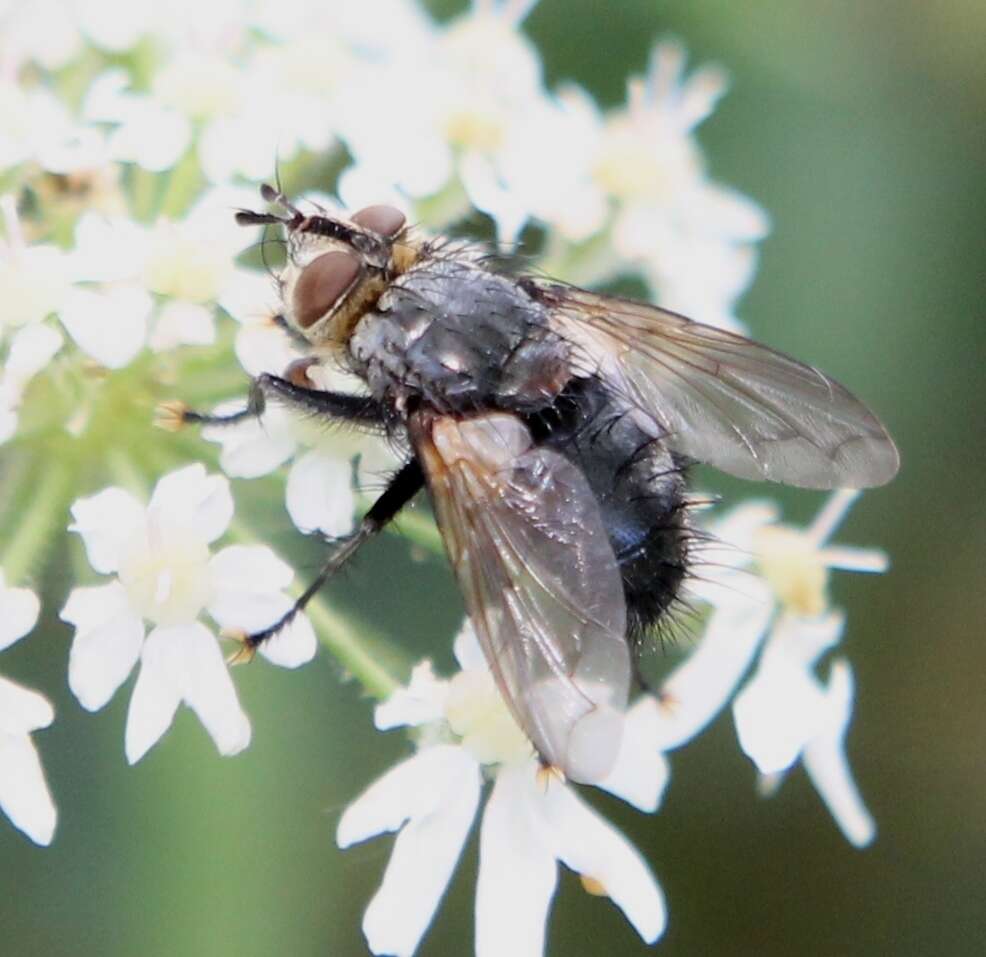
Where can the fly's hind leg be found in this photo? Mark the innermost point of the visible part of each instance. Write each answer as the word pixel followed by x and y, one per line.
pixel 404 485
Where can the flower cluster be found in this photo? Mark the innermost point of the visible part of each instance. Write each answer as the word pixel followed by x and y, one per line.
pixel 130 135
pixel 764 584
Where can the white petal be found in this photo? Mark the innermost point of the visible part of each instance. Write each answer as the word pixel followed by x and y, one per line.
pixel 414 788
pixel 156 695
pixel 182 323
pixel 107 642
pixel 22 710
pixel 517 871
pixel 107 521
pixel 294 645
pixel 248 582
pixel 249 569
pixel 467 650
pixel 210 692
pixel 190 497
pixel 426 850
pixel 641 771
pixel 184 663
pixel 252 447
pixel 422 701
pixel 263 347
pixel 31 349
pixel 828 767
pixel 24 795
pixel 19 609
pixel 696 691
pixel 110 325
pixel 777 712
pixel 588 844
pixel 320 494
pixel 154 137
pixel 850 559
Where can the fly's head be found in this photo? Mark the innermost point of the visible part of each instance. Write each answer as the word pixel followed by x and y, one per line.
pixel 336 268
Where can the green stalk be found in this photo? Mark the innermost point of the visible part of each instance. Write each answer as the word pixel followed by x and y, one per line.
pixel 45 512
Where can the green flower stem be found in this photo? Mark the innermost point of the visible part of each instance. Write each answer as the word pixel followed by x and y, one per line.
pixel 44 513
pixel 145 189
pixel 184 184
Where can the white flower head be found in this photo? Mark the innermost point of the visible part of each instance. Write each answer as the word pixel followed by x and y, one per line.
pixel 24 794
pixel 785 713
pixel 531 822
pixel 166 575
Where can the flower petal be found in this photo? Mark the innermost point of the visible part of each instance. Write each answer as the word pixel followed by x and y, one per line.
pixel 422 701
pixel 436 792
pixel 294 645
pixel 517 871
pixel 107 642
pixel 588 844
pixel 697 690
pixel 109 325
pixel 22 710
pixel 320 494
pixel 184 663
pixel 253 447
pixel 783 705
pixel 106 521
pixel 24 794
pixel 828 767
pixel 190 497
pixel 19 609
pixel 209 689
pixel 641 771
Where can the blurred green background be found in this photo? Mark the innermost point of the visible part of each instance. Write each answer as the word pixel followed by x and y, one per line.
pixel 859 126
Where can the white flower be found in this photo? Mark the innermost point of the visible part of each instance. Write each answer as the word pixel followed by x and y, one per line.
pixel 24 794
pixel 692 238
pixel 531 822
pixel 785 713
pixel 165 574
pixel 118 264
pixel 35 285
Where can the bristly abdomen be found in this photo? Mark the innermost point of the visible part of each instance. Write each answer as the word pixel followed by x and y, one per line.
pixel 640 487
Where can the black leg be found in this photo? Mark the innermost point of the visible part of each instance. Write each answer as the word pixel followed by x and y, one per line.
pixel 400 490
pixel 358 409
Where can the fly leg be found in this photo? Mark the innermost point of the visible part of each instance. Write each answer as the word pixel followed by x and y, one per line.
pixel 290 389
pixel 404 485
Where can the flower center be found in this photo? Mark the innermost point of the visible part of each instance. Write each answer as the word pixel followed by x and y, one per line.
pixel 794 567
pixel 476 713
pixel 166 574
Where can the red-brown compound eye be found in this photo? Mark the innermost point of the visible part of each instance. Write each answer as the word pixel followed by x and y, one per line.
pixel 322 283
pixel 383 220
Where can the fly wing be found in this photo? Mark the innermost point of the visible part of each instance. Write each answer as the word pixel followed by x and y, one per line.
pixel 723 399
pixel 540 582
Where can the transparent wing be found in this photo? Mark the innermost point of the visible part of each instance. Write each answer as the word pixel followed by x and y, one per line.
pixel 723 399
pixel 540 582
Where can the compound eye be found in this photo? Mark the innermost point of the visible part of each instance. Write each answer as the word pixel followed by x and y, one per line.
pixel 386 221
pixel 322 283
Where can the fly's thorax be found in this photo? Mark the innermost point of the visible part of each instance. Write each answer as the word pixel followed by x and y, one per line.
pixel 459 337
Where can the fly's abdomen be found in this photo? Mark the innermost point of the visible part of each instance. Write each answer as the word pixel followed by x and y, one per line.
pixel 639 485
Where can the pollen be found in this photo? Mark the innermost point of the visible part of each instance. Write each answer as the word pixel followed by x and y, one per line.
pixel 593 886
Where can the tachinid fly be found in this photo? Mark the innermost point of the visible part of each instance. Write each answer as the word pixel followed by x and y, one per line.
pixel 553 428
